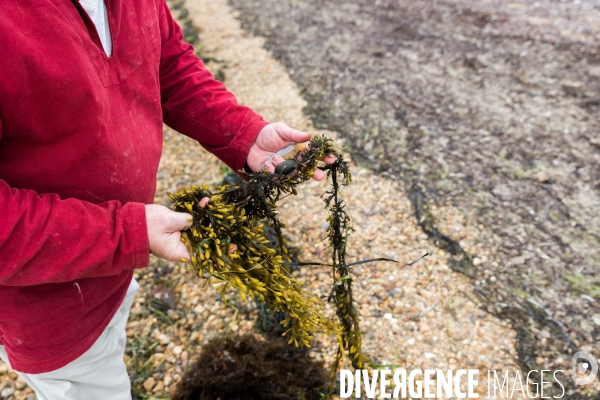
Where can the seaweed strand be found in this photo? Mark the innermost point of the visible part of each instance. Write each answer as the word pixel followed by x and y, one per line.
pixel 236 214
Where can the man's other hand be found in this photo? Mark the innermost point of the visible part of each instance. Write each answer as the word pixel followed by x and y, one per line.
pixel 273 138
pixel 164 232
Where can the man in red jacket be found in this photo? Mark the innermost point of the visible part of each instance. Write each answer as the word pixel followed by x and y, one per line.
pixel 85 87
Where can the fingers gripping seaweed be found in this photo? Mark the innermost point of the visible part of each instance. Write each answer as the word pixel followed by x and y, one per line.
pixel 236 214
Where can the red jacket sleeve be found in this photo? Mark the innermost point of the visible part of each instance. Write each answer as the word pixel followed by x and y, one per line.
pixel 44 239
pixel 197 105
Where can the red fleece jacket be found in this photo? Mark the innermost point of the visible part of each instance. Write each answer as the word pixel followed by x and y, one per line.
pixel 80 142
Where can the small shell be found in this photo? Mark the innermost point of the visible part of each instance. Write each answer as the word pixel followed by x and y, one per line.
pixel 286 167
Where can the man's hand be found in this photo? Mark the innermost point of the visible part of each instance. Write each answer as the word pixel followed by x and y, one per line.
pixel 164 232
pixel 273 138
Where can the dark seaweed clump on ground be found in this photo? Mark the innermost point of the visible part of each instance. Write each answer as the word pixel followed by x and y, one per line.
pixel 247 368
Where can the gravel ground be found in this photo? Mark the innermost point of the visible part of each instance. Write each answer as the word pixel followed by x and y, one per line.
pixel 413 317
pixel 489 106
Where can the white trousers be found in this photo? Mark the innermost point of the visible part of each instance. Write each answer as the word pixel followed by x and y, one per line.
pixel 98 374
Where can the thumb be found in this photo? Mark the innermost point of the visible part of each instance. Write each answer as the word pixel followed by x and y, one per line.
pixel 293 135
pixel 178 221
